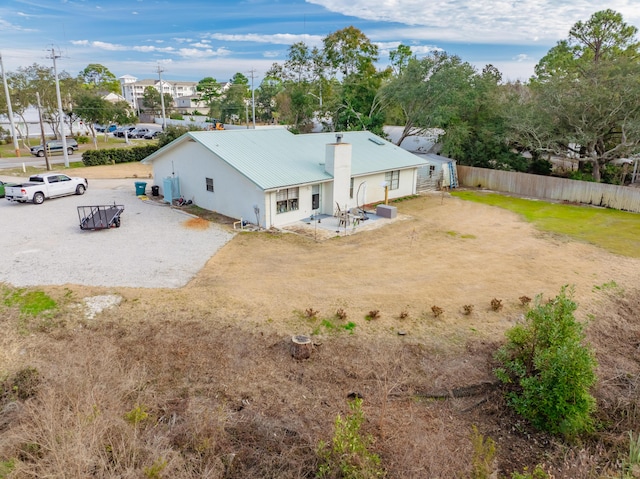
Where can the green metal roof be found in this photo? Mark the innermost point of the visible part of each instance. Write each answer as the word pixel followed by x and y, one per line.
pixel 276 158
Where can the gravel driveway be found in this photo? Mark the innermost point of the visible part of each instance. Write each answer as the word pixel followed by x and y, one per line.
pixel 44 245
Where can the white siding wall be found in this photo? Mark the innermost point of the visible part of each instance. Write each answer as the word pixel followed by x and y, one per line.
pixel 233 194
pixel 305 203
pixel 374 191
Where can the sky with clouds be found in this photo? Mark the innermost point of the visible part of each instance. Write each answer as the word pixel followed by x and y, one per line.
pixel 193 39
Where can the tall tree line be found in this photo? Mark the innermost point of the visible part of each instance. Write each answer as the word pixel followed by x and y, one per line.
pixel 81 97
pixel 583 100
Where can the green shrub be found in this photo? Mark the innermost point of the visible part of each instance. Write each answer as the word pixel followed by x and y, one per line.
pixel 155 471
pixel 537 473
pixel 117 155
pixel 484 454
pixel 349 456
pixel 549 368
pixel 632 463
pixel 82 139
pixel 137 415
pixel 171 132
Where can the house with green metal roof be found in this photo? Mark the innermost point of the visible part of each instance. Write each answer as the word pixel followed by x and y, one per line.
pixel 272 177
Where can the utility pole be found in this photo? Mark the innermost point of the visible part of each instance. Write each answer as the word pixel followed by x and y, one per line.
pixel 253 100
pixel 13 126
pixel 164 119
pixel 43 139
pixel 60 113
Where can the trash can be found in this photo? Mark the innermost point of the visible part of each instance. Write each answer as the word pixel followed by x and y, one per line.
pixel 141 187
pixel 155 190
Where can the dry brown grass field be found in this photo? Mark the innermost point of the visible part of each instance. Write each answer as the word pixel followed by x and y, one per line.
pixel 200 382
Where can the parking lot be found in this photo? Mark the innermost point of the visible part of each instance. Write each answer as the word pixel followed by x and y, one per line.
pixel 153 248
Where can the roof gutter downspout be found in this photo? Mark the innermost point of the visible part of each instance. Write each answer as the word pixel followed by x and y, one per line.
pixel 270 210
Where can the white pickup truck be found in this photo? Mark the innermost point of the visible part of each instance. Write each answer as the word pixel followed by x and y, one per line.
pixel 46 185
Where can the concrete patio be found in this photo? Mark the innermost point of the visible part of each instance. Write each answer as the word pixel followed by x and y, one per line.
pixel 321 227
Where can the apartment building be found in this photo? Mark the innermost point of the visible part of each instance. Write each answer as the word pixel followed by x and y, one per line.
pixel 133 89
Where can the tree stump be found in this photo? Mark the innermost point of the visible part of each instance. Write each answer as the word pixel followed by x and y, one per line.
pixel 301 347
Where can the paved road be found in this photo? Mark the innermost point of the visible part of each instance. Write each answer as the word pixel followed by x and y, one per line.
pixel 10 163
pixel 57 159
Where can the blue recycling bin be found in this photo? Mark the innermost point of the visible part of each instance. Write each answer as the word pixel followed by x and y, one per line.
pixel 141 187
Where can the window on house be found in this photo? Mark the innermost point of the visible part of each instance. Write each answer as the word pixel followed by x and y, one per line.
pixel 351 188
pixel 432 169
pixel 287 200
pixel 210 184
pixel 393 179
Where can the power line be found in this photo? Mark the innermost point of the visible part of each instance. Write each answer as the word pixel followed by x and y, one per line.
pixel 253 99
pixel 10 111
pixel 60 113
pixel 164 119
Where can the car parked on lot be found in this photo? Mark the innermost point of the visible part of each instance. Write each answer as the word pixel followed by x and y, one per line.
pixel 105 129
pixel 55 146
pixel 119 132
pixel 152 135
pixel 46 185
pixel 139 132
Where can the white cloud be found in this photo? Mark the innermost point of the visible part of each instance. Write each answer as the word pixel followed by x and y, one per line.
pixel 276 39
pixel 419 50
pixel 511 70
pixel 498 21
pixel 151 49
pixel 208 53
pixel 8 26
pixel 112 47
pixel 522 57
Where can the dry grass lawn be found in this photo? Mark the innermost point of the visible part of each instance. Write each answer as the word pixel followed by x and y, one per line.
pixel 210 362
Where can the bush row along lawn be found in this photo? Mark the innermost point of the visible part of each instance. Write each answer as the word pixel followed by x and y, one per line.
pixel 7 151
pixel 616 231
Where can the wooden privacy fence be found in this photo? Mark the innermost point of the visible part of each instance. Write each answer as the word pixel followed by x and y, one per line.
pixel 574 191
